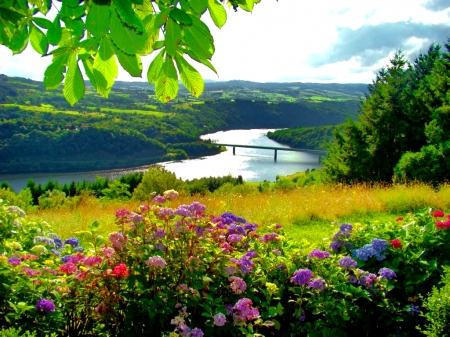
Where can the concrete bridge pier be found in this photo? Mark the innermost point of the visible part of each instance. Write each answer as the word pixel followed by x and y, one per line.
pixel 275 156
pixel 234 150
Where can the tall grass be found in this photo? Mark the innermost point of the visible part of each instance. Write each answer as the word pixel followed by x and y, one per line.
pixel 311 213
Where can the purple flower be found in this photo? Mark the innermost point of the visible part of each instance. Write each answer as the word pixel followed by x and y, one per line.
pixel 368 279
pixel 183 210
pixel 270 237
pixel 236 229
pixel 136 218
pixel 159 199
pixel 196 333
pixel 78 249
pixel 347 262
pixel 250 227
pixel 302 276
pixel 219 319
pixel 250 254
pixel 335 245
pixel 199 231
pixel 58 243
pixel 166 211
pixel 238 285
pixel 346 227
pixel 244 311
pixel 14 261
pixel 229 309
pixel 276 252
pixel 159 234
pixel 197 207
pixel 234 238
pixel 72 241
pixel 320 254
pixel 317 283
pixel 387 273
pixel 45 305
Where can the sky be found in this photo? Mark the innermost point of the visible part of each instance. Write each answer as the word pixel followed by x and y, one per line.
pixel 320 41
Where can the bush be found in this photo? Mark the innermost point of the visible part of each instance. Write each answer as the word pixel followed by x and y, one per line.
pixel 156 180
pixel 438 305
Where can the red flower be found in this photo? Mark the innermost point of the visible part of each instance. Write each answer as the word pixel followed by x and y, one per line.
pixel 396 243
pixel 120 270
pixel 68 268
pixel 438 214
pixel 399 219
pixel 443 224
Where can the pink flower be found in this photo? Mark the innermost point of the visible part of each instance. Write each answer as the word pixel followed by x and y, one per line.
pixel 122 213
pixel 156 261
pixel 92 260
pixel 238 285
pixel 108 252
pixel 117 240
pixel 120 271
pixel 68 268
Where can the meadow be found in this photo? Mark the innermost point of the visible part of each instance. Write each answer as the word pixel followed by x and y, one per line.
pixel 307 213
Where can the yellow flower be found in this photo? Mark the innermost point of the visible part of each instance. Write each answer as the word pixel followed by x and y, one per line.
pixel 14 245
pixel 271 288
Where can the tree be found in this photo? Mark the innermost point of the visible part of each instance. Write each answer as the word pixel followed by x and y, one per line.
pixel 97 33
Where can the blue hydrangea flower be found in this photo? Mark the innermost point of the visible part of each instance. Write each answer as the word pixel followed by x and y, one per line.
pixel 347 262
pixel 302 276
pixel 72 241
pixel 413 310
pixel 387 273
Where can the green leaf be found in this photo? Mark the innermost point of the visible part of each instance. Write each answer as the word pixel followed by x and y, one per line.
pixel 53 75
pixel 43 23
pixel 155 67
pixel 166 86
pixel 202 61
pixel 73 84
pixel 97 20
pixel 180 16
pixel 127 14
pixel 199 6
pixel 54 33
pixel 173 36
pixel 199 39
pixel 89 46
pixel 88 64
pixel 105 67
pixel 161 19
pixel 152 33
pixel 38 40
pixel 128 40
pixel 190 77
pixel 19 39
pixel 131 63
pixel 9 15
pixel 217 13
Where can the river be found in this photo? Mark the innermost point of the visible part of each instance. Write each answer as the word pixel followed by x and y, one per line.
pixel 251 164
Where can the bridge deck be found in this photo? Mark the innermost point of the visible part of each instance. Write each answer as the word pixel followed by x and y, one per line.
pixel 274 148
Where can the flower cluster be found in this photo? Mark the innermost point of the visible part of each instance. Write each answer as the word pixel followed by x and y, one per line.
pixel 375 248
pixel 340 237
pixel 45 305
pixel 320 254
pixel 396 243
pixel 302 276
pixel 387 273
pixel 156 261
pixel 347 262
pixel 317 283
pixel 238 285
pixel 243 311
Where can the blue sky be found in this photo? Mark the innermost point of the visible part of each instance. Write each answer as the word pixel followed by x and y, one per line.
pixel 340 41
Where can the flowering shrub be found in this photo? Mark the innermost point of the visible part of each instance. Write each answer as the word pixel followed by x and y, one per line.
pixel 184 272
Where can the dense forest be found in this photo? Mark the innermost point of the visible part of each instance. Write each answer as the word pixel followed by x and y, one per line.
pixel 401 132
pixel 41 132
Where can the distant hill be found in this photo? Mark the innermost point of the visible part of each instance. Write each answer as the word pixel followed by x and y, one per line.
pixel 40 131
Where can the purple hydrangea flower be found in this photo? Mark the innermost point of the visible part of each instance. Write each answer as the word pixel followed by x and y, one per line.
pixel 78 249
pixel 238 285
pixel 196 332
pixel 244 311
pixel 14 261
pixel 45 305
pixel 236 229
pixel 346 227
pixel 159 199
pixel 165 211
pixel 270 237
pixel 335 245
pixel 183 210
pixel 234 238
pixel 368 279
pixel 302 316
pixel 219 319
pixel 199 231
pixel 301 276
pixel 72 241
pixel 317 283
pixel 159 234
pixel 156 261
pixel 320 254
pixel 387 273
pixel 347 262
pixel 251 227
pixel 197 207
pixel 58 243
pixel 136 218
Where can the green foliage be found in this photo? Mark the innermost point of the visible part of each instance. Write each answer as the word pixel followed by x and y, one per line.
pixel 156 180
pixel 315 138
pixel 94 34
pixel 400 131
pixel 437 304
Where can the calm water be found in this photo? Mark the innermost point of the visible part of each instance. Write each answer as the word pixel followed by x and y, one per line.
pixel 251 164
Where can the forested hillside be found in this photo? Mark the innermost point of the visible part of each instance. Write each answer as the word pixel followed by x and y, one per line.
pixel 41 132
pixel 402 130
pixel 315 138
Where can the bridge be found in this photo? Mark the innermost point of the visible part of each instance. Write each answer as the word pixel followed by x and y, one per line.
pixel 276 149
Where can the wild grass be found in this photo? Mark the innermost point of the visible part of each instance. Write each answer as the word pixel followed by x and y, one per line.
pixel 310 213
